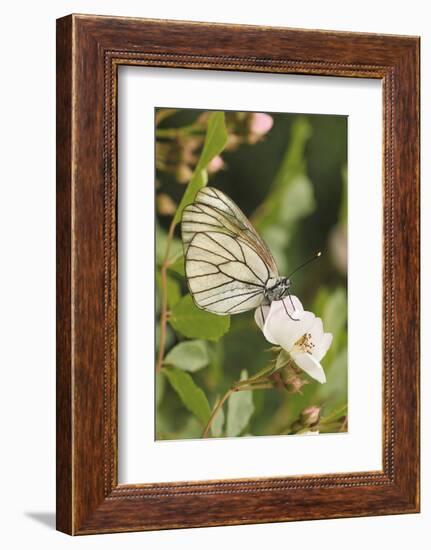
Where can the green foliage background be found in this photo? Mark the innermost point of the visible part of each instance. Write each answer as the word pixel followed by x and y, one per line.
pixel 292 185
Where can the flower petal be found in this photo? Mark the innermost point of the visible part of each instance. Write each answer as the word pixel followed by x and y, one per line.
pixel 316 333
pixel 324 345
pixel 280 329
pixel 319 339
pixel 310 365
pixel 288 301
pixel 260 314
pixel 280 306
pixel 292 306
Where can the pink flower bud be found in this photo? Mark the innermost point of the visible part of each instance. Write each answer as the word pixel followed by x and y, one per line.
pixel 310 416
pixel 294 383
pixel 261 123
pixel 215 165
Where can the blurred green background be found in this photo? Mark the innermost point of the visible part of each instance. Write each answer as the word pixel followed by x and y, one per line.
pixel 291 183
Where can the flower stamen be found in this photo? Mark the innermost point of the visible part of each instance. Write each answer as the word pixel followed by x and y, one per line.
pixel 304 344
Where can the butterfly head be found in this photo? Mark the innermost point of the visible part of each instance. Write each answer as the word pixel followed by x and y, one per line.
pixel 276 288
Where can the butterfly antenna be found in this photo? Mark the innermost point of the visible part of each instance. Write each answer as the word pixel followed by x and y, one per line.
pixel 305 263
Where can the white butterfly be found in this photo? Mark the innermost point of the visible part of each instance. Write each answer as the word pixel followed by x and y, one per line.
pixel 229 269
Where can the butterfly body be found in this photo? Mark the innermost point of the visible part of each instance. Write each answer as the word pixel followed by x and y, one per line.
pixel 229 268
pixel 276 288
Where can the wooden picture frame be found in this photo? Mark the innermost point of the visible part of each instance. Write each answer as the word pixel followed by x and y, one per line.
pixel 89 51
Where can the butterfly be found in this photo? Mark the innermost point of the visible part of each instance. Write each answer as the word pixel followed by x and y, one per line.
pixel 229 269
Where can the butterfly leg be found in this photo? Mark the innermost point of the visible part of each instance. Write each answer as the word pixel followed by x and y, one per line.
pixel 285 309
pixel 261 313
pixel 291 301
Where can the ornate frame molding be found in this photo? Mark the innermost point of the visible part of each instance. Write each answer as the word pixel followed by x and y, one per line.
pixel 90 49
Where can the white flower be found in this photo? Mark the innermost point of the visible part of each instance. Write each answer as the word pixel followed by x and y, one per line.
pixel 298 332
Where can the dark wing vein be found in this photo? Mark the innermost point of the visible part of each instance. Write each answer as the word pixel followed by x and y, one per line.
pixel 242 301
pixel 217 234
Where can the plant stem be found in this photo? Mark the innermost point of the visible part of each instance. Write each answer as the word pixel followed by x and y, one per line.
pixel 215 411
pixel 334 415
pixel 263 373
pixel 164 299
pixel 242 385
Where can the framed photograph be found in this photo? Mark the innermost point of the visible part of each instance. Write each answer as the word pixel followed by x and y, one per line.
pixel 237 274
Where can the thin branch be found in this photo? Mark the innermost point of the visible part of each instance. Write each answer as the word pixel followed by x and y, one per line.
pixel 260 375
pixel 261 383
pixel 335 415
pixel 216 409
pixel 164 298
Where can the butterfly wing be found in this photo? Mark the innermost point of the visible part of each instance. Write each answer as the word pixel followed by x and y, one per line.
pixel 212 210
pixel 226 262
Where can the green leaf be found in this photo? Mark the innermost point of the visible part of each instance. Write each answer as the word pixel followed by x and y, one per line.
pixel 215 139
pixel 217 425
pixel 215 142
pixel 192 397
pixel 173 289
pixel 189 356
pixel 240 410
pixel 193 322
